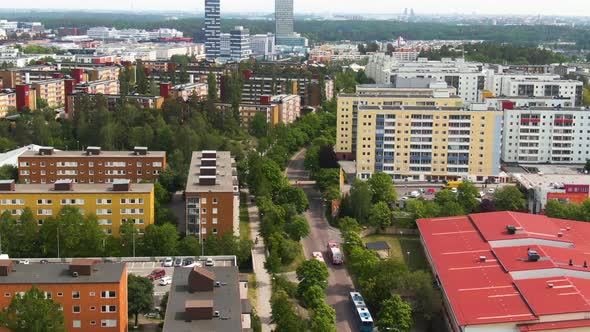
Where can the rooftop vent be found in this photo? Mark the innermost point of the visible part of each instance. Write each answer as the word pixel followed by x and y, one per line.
pixel 198 309
pixel 482 258
pixel 46 151
pixel 121 185
pixel 207 180
pixel 5 267
pixel 209 154
pixel 208 162
pixel 7 185
pixel 208 170
pixel 63 185
pixel 533 256
pixel 82 267
pixel 93 150
pixel 550 285
pixel 511 229
pixel 560 234
pixel 140 150
pixel 571 262
pixel 585 264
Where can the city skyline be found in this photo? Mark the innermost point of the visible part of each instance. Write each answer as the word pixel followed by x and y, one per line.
pixel 543 7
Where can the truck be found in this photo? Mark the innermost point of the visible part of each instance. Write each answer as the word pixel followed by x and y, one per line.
pixel 452 184
pixel 334 253
pixel 318 255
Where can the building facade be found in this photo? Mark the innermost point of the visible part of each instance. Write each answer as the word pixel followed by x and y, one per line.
pixel 283 19
pixel 7 102
pixel 546 135
pixel 212 28
pixel 93 296
pixel 53 91
pixel 239 44
pixel 212 195
pixel 112 204
pixel 257 86
pixel 263 46
pixel 91 166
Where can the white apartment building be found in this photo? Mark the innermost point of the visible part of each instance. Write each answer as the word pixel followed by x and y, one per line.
pixel 239 44
pixel 289 107
pixel 512 102
pixel 497 82
pixel 224 45
pixel 545 88
pixel 546 135
pixel 263 45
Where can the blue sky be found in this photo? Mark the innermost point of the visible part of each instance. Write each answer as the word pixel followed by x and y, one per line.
pixel 533 7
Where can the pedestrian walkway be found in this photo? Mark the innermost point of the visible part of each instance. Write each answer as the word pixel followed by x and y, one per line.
pixel 262 277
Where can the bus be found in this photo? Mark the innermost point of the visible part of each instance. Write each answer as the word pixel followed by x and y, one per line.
pixel 361 312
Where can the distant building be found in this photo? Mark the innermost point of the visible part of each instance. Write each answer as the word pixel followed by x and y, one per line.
pixel 225 45
pixel 263 46
pixel 113 101
pixel 309 89
pixel 7 102
pixel 212 29
pixel 279 109
pixel 211 298
pixel 93 295
pixel 112 204
pixel 283 19
pixel 212 195
pixel 239 44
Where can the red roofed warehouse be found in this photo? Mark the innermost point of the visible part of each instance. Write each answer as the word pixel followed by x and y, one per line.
pixel 510 272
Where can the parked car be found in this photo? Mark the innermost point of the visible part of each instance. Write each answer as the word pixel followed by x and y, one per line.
pixel 157 274
pixel 481 194
pixel 43 261
pixel 209 262
pixel 454 190
pixel 187 261
pixel 24 261
pixel 165 281
pixel 178 262
pixel 415 194
pixel 168 262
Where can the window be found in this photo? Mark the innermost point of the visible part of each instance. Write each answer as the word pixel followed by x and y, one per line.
pixel 45 212
pixel 92 308
pixel 77 323
pixel 6 294
pixel 108 308
pixel 157 164
pixel 76 309
pixel 90 164
pixel 108 294
pixel 204 200
pixel 92 294
pixel 24 164
pixel 204 211
pixel 214 230
pixel 215 201
pixel 60 294
pixel 48 295
pixel 75 295
pixel 108 323
pixel 104 211
pixel 104 201
pixel 215 220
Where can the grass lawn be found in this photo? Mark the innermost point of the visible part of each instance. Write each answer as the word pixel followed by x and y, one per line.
pixel 400 245
pixel 244 218
pixel 253 289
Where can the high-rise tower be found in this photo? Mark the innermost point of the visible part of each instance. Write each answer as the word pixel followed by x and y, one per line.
pixel 284 18
pixel 212 29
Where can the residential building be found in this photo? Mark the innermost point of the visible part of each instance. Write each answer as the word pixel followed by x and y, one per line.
pixel 113 101
pixel 418 137
pixel 105 87
pixel 91 166
pixel 498 82
pixel 52 90
pixel 239 44
pixel 7 101
pixel 538 135
pixel 212 195
pixel 289 107
pixel 283 19
pixel 249 111
pixel 93 296
pixel 258 85
pixel 210 298
pixel 263 46
pixel 504 103
pixel 564 186
pixel 184 91
pixel 112 204
pixel 212 29
pixel 525 272
pixel 545 88
pixel 11 157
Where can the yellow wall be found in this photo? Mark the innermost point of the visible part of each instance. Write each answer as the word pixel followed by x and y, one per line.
pixel 90 205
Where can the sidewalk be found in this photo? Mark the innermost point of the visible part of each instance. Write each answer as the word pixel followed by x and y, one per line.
pixel 262 277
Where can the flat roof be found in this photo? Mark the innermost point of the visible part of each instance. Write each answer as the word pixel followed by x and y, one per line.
pixel 226 300
pixel 535 180
pixel 225 177
pixel 420 108
pixel 35 188
pixel 58 273
pixel 486 273
pixel 82 154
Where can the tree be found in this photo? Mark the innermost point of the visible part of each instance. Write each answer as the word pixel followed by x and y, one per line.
pixel 466 196
pixel 349 224
pixel 311 272
pixel 382 188
pixel 293 195
pixel 161 240
pixel 140 295
pixel 359 201
pixel 587 165
pixel 189 246
pixel 422 209
pixel 509 198
pixel 212 87
pixel 32 312
pixel 323 319
pixel 395 314
pixel 283 313
pixel 8 172
pixel 314 296
pixel 380 215
pixel 298 228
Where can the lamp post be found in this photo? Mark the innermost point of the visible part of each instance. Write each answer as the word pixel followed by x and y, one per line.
pixel 407 252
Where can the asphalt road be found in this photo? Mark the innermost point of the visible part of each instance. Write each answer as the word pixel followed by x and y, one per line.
pixel 339 282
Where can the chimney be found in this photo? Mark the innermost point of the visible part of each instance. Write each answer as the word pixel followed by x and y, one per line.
pixel 7 185
pixel 122 185
pixel 571 262
pixel 200 280
pixel 198 309
pixel 140 150
pixel 81 267
pixel 93 150
pixel 63 185
pixel 46 151
pixel 165 89
pixel 5 267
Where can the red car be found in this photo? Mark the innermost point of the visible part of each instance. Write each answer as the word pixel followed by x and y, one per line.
pixel 157 274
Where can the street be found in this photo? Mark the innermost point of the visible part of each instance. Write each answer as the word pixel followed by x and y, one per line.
pixel 339 281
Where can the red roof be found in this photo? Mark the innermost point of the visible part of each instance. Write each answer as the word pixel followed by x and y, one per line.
pixel 487 276
pixel 568 324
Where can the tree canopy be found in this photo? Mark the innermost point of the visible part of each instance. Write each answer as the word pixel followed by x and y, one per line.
pixel 32 312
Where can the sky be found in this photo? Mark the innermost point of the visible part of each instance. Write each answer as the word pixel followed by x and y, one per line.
pixel 518 7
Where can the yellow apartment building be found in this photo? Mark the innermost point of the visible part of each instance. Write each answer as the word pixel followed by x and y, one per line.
pixel 428 136
pixel 112 204
pixel 53 91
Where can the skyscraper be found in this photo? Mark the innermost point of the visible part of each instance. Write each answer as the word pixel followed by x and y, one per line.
pixel 284 18
pixel 212 29
pixel 239 44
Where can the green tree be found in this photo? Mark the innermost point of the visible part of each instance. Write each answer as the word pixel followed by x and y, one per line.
pixel 380 215
pixel 509 198
pixel 467 196
pixel 140 295
pixel 359 201
pixel 395 314
pixel 283 313
pixel 349 224
pixel 323 319
pixel 212 87
pixel 189 246
pixel 259 125
pixel 311 272
pixel 382 188
pixel 32 312
pixel 293 195
pixel 298 228
pixel 26 236
pixel 422 209
pixel 161 240
pixel 314 296
pixel 8 172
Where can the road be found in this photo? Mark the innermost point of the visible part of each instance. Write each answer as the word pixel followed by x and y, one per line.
pixel 339 282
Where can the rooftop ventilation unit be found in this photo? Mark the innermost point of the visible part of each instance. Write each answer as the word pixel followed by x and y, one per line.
pixel 511 229
pixel 533 256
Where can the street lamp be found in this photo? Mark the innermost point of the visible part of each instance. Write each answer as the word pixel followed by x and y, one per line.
pixel 407 252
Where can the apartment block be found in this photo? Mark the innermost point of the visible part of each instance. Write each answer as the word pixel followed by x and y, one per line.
pixel 558 135
pixel 256 86
pixel 52 90
pixel 113 204
pixel 249 111
pixel 91 166
pixel 212 195
pixel 289 107
pixel 7 101
pixel 105 87
pixel 545 88
pixel 418 137
pixel 93 296
pixel 503 103
pixel 113 101
pixel 184 91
